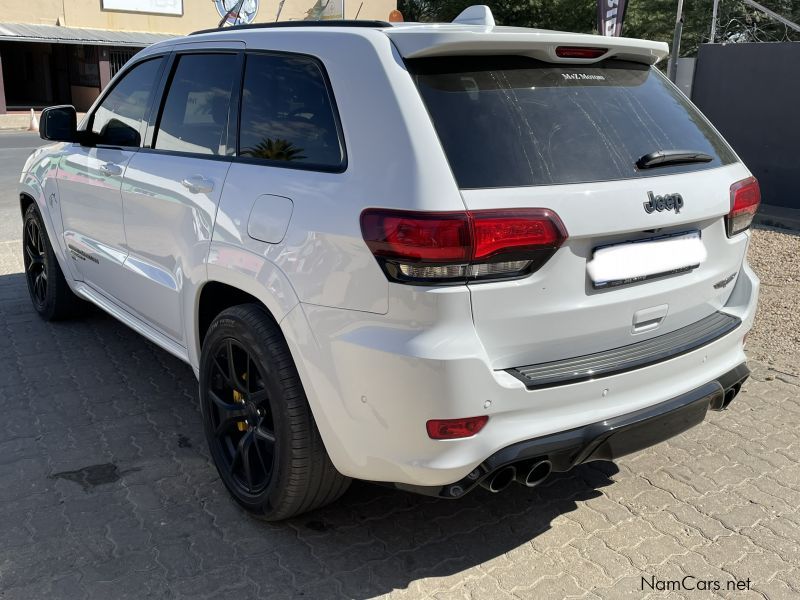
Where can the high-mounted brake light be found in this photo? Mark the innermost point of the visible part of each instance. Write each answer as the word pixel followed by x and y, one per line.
pixel 579 52
pixel 451 429
pixel 459 246
pixel 745 198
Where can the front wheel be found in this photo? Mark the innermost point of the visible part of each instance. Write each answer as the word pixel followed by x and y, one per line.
pixel 49 291
pixel 260 430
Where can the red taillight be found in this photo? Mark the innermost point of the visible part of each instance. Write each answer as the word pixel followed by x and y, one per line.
pixel 452 247
pixel 508 231
pixel 578 52
pixel 745 198
pixel 420 237
pixel 451 429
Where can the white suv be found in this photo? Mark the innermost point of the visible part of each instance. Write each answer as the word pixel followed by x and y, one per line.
pixel 434 256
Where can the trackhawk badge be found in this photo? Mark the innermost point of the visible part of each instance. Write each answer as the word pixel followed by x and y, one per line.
pixel 662 203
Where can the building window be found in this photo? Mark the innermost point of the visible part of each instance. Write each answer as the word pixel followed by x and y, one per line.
pixel 83 66
pixel 119 56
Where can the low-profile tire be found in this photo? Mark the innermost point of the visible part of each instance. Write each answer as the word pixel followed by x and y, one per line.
pixel 49 291
pixel 260 430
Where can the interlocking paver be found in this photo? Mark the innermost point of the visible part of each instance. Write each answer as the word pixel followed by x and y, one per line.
pixel 107 491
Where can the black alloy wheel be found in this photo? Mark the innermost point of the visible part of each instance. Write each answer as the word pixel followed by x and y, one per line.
pixel 35 261
pixel 50 293
pixel 259 426
pixel 241 417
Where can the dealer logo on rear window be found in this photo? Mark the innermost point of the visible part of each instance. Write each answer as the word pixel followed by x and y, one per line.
pixel 582 77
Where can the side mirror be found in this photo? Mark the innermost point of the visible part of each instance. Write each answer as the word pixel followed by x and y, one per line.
pixel 59 124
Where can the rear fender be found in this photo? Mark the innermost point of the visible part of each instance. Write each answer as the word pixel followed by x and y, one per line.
pixel 244 270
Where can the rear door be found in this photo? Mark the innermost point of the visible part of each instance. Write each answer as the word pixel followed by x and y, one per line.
pixel 524 133
pixel 172 187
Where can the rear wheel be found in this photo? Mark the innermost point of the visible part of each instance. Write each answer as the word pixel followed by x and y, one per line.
pixel 49 291
pixel 260 430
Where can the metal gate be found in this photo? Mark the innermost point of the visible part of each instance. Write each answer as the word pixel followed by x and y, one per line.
pixel 751 93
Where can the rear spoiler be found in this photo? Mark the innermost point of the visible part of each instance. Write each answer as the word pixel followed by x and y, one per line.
pixel 422 41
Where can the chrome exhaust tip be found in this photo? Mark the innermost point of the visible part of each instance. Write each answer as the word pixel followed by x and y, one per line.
pixel 535 474
pixel 500 479
pixel 730 394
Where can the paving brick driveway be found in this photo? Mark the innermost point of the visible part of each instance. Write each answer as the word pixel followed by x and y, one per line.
pixel 107 491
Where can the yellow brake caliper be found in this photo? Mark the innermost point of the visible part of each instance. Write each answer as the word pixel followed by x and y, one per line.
pixel 239 399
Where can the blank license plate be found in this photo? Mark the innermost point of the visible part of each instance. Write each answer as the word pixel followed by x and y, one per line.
pixel 646 259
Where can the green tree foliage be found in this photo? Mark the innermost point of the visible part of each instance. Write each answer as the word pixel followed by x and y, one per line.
pixel 649 19
pixel 275 150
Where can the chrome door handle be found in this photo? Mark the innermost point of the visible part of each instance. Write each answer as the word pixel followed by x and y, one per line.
pixel 198 184
pixel 110 169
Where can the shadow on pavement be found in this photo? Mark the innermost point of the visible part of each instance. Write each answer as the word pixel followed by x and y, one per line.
pixel 107 490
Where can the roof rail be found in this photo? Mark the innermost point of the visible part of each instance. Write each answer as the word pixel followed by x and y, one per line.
pixel 289 24
pixel 478 14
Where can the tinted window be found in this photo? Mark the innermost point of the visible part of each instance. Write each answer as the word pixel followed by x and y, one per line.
pixel 287 113
pixel 118 120
pixel 515 121
pixel 195 114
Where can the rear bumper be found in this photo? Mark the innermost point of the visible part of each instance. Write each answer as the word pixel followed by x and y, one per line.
pixel 374 380
pixel 604 440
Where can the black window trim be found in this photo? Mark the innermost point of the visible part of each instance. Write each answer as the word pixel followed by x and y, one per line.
pixel 143 127
pixel 340 168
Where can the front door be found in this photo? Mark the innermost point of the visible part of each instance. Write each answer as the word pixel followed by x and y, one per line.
pixel 90 179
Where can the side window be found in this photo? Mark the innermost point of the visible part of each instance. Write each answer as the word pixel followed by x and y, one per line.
pixel 195 114
pixel 118 119
pixel 287 114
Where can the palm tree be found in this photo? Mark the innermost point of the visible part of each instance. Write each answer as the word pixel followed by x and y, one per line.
pixel 275 150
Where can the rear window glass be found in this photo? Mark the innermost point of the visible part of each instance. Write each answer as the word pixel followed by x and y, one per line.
pixel 513 121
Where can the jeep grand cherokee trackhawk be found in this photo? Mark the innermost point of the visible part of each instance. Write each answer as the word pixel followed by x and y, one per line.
pixel 435 256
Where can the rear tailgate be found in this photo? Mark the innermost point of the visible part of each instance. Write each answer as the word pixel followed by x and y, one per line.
pixel 558 313
pixel 520 132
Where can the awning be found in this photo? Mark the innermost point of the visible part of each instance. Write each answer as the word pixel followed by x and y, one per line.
pixel 55 34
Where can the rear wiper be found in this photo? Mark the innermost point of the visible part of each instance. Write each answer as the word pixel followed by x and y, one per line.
pixel 662 158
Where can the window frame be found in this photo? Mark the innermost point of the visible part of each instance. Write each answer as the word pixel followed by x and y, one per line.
pixel 168 75
pixel 143 127
pixel 316 167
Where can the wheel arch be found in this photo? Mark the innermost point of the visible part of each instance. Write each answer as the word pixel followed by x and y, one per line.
pixel 235 276
pixel 31 192
pixel 216 296
pixel 25 200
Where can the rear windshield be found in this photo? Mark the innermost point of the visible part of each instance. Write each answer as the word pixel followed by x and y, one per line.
pixel 513 121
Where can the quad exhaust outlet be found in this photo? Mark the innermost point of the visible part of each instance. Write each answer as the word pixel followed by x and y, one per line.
pixel 500 479
pixel 535 473
pixel 527 473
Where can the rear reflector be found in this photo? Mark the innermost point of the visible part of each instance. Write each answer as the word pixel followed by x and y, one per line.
pixel 578 52
pixel 745 198
pixel 450 429
pixel 453 247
